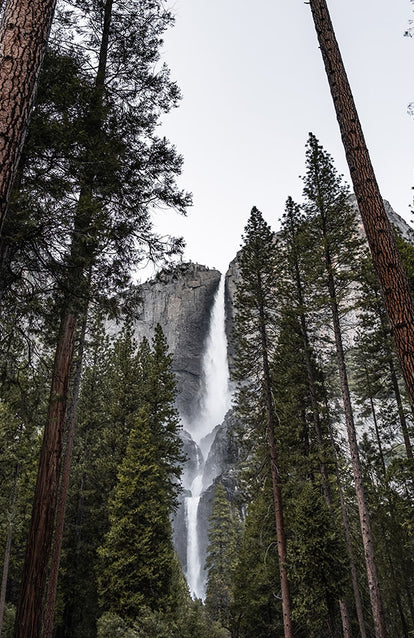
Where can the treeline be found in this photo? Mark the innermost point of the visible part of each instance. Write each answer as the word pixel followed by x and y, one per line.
pixel 326 429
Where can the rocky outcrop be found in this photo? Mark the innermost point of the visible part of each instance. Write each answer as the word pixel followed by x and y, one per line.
pixel 180 300
pixel 233 278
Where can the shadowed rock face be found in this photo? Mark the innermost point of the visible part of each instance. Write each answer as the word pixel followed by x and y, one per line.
pixel 180 300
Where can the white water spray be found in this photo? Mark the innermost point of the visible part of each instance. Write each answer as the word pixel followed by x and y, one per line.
pixel 215 402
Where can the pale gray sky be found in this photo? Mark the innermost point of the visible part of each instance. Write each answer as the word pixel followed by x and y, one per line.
pixel 254 85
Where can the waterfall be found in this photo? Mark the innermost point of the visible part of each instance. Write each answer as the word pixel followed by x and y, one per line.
pixel 215 401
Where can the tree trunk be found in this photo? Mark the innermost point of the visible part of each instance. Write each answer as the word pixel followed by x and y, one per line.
pixel 80 260
pixel 277 492
pixel 24 32
pixel 401 415
pixel 5 574
pixel 403 422
pixel 387 263
pixel 373 584
pixel 48 616
pixel 348 540
pixel 343 607
pixel 29 608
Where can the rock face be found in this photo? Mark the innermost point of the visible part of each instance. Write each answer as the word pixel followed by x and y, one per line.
pixel 233 278
pixel 180 300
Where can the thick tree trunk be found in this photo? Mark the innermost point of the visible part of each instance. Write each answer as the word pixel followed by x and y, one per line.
pixel 7 551
pixel 277 492
pixel 24 32
pixel 29 608
pixel 48 616
pixel 80 260
pixel 387 263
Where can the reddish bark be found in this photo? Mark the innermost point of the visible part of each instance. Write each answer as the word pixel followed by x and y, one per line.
pixel 48 617
pixel 387 263
pixel 29 608
pixel 24 32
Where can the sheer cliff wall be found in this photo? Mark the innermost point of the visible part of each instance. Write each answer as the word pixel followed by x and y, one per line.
pixel 180 300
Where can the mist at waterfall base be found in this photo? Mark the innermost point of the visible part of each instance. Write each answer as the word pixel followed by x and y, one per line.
pixel 215 401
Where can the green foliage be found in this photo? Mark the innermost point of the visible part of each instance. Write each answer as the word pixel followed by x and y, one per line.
pixel 135 567
pixel 317 564
pixel 257 610
pixel 223 543
pixel 125 482
pixel 7 630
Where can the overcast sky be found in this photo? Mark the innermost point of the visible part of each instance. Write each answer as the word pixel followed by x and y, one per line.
pixel 254 85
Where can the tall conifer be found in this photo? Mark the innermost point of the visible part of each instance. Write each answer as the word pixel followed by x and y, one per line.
pixel 255 325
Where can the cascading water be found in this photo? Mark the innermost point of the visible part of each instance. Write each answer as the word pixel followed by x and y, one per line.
pixel 215 401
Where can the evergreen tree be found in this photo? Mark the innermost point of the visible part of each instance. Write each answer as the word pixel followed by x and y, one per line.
pixel 255 325
pixel 256 610
pixel 121 385
pixel 110 219
pixel 223 541
pixel 393 281
pixel 337 249
pixel 317 563
pixel 137 555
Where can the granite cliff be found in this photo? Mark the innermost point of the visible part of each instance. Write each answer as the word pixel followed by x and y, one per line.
pixel 180 300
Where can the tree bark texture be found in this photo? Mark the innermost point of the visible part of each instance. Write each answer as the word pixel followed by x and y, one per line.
pixel 387 263
pixel 29 608
pixel 48 616
pixel 24 32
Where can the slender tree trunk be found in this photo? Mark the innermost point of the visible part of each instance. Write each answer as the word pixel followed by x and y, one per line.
pixel 24 32
pixel 393 517
pixel 277 492
pixel 348 540
pixel 396 387
pixel 401 415
pixel 387 263
pixel 373 583
pixel 343 607
pixel 7 551
pixel 345 619
pixel 48 617
pixel 29 608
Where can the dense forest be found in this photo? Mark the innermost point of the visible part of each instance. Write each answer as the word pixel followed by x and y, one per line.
pixel 317 539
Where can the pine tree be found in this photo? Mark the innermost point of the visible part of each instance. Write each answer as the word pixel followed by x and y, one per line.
pixel 317 562
pixel 223 541
pixel 393 281
pixel 337 249
pixel 109 221
pixel 137 555
pixel 255 323
pixel 256 610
